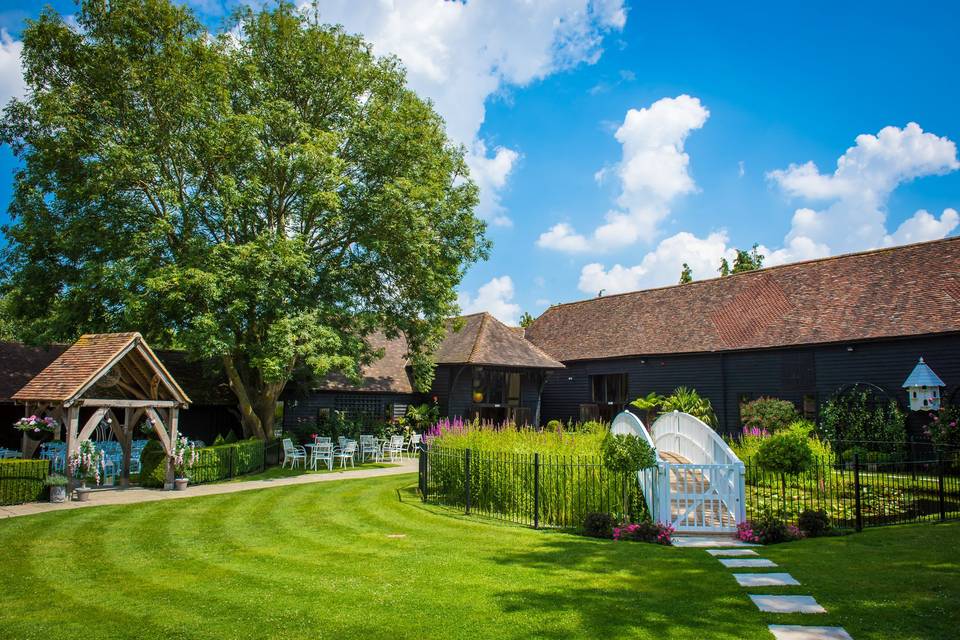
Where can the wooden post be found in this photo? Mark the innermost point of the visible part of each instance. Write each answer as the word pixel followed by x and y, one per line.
pixel 125 444
pixel 173 421
pixel 73 426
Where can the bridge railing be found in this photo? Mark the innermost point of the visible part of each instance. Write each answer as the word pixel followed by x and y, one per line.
pixel 690 437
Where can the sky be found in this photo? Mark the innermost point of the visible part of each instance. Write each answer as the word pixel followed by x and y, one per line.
pixel 614 141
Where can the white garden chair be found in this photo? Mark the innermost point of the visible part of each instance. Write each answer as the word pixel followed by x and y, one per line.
pixel 346 453
pixel 293 454
pixel 368 446
pixel 414 443
pixel 394 448
pixel 322 453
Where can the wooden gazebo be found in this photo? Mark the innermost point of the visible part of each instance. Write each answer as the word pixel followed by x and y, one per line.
pixel 101 373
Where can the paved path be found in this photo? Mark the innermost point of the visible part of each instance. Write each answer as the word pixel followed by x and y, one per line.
pixel 136 495
pixel 738 557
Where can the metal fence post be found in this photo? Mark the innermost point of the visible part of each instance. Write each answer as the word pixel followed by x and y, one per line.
pixel 423 474
pixel 536 490
pixel 856 491
pixel 941 497
pixel 466 479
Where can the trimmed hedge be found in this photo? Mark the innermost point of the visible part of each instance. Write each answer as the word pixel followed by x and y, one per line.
pixel 23 480
pixel 214 463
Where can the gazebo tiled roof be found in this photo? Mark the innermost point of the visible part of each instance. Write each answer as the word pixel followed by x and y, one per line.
pixel 83 362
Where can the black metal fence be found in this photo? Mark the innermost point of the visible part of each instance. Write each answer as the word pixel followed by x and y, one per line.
pixel 857 494
pixel 525 488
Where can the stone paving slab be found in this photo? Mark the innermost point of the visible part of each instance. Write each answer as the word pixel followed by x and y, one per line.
pixel 732 553
pixel 765 580
pixel 136 495
pixel 787 604
pixel 801 632
pixel 746 563
pixel 709 542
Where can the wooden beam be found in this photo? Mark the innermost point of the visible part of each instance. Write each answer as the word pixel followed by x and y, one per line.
pixel 149 357
pixel 91 424
pixel 134 374
pixel 160 429
pixel 128 404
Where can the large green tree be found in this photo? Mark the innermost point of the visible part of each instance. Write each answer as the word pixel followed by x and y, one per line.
pixel 265 196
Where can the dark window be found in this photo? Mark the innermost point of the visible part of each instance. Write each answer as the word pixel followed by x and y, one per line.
pixel 798 371
pixel 610 388
pixel 810 406
pixel 609 393
pixel 491 386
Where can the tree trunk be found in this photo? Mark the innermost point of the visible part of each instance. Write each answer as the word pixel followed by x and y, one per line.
pixel 252 424
pixel 256 400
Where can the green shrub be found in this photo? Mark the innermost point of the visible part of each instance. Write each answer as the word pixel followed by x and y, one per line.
pixel 771 414
pixel 555 426
pixel 153 465
pixel 853 417
pixel 689 401
pixel 22 480
pixel 785 453
pixel 597 524
pixel 626 453
pixel 814 522
pixel 213 463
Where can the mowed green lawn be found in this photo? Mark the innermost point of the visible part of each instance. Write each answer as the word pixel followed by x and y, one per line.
pixel 364 559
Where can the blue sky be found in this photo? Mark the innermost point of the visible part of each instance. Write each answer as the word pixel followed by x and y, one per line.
pixel 613 141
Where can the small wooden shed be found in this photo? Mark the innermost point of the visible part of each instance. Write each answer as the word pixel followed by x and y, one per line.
pixel 108 372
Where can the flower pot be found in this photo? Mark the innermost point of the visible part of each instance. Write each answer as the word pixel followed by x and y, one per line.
pixel 58 493
pixel 180 483
pixel 83 494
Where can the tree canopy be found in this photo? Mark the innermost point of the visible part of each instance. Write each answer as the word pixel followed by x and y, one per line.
pixel 686 274
pixel 266 196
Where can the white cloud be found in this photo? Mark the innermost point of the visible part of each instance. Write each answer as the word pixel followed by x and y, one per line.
pixel 662 265
pixel 741 170
pixel 924 226
pixel 562 237
pixel 460 54
pixel 653 172
pixel 496 298
pixel 855 195
pixel 12 84
pixel 490 173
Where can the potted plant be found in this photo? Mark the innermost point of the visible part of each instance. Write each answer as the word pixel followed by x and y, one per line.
pixel 85 465
pixel 58 487
pixel 35 426
pixel 184 457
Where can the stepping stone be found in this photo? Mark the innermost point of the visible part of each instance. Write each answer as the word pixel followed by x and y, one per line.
pixel 765 580
pixel 787 604
pixel 731 553
pixel 702 542
pixel 800 632
pixel 746 563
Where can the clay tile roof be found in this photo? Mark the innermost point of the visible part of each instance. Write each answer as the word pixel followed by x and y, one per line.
pixel 20 363
pixel 482 339
pixel 81 363
pixel 387 375
pixel 885 293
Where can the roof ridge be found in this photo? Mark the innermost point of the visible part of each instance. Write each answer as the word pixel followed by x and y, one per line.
pixel 755 272
pixel 476 338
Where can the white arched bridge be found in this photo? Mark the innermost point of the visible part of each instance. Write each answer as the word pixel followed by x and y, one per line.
pixel 697 483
